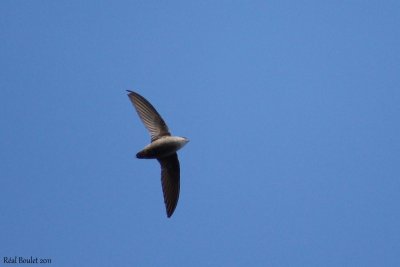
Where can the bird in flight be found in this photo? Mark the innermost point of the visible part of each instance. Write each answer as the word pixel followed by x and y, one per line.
pixel 163 147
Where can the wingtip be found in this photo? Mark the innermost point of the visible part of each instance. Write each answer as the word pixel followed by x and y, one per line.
pixel 132 93
pixel 170 212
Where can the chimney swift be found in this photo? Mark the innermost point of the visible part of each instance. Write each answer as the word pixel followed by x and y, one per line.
pixel 163 147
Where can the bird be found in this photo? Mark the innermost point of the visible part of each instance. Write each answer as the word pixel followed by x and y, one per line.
pixel 163 147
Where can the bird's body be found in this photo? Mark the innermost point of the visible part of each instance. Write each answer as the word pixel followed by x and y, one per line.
pixel 163 147
pixel 160 148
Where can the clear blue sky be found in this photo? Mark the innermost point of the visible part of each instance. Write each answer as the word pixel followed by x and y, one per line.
pixel 292 109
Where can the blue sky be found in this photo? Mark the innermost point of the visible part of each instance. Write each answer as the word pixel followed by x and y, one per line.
pixel 292 109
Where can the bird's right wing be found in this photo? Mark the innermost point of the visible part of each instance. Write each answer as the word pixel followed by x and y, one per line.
pixel 149 116
pixel 170 180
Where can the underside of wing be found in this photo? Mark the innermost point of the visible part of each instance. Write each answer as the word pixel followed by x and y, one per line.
pixel 170 180
pixel 149 116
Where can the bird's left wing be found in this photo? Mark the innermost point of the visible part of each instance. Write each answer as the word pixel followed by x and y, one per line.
pixel 170 180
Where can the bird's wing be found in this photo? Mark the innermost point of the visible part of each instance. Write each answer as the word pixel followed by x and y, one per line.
pixel 170 180
pixel 149 116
